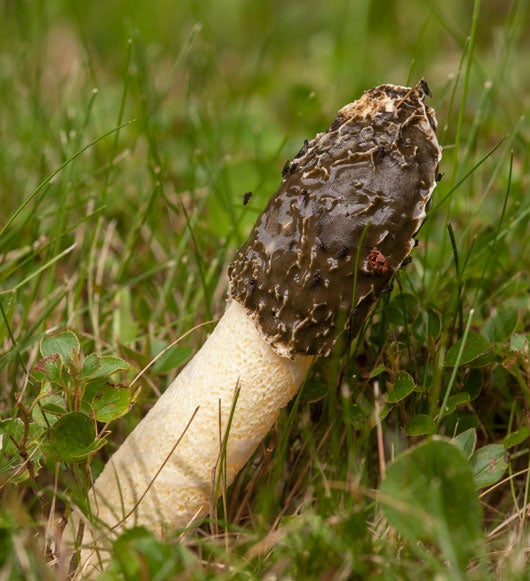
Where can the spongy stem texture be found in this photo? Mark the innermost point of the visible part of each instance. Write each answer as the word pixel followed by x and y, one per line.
pixel 145 483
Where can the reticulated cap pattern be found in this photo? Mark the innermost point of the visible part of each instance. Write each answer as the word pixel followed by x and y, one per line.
pixel 341 223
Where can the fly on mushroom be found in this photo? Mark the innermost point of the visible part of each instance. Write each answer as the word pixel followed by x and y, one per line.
pixel 246 198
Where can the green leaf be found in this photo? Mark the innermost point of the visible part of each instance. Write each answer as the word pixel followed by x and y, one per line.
pixel 172 358
pixel 403 386
pixel 420 425
pixel 382 413
pixel 111 402
pixel 459 421
pixel 98 367
pixel 428 495
pixel 402 309
pixel 377 371
pixel 48 410
pixel 427 324
pixel 48 368
pixel 519 343
pixel 314 390
pixel 72 438
pixel 516 437
pixel 475 346
pixel 62 343
pixel 11 429
pixel 14 472
pixel 8 302
pixel 488 464
pixel 91 365
pixel 137 554
pixel 499 327
pixel 488 358
pixel 455 401
pixel 466 442
pixel 473 383
pixel 356 417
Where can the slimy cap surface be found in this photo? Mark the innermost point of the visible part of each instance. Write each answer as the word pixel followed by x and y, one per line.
pixel 341 223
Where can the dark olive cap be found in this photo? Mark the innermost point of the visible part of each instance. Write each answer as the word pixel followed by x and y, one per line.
pixel 342 222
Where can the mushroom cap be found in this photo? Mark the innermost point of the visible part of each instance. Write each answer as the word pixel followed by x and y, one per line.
pixel 341 223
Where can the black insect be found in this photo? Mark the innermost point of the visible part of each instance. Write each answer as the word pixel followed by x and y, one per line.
pixel 407 260
pixel 316 279
pixel 425 88
pixel 303 150
pixel 439 177
pixel 379 154
pixel 342 252
pixel 246 198
pixel 285 169
pixel 386 289
pixel 251 285
pixel 303 197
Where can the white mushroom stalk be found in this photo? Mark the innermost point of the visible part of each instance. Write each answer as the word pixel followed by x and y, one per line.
pixel 235 361
pixel 302 279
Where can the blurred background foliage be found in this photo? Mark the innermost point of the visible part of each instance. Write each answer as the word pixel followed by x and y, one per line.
pixel 219 95
pixel 221 89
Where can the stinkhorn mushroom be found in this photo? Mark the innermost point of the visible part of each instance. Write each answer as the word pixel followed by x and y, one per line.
pixel 327 245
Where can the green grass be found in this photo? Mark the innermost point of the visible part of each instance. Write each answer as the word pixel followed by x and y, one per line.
pixel 129 134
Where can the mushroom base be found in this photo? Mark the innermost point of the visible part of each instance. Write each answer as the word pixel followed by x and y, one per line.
pixel 149 481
